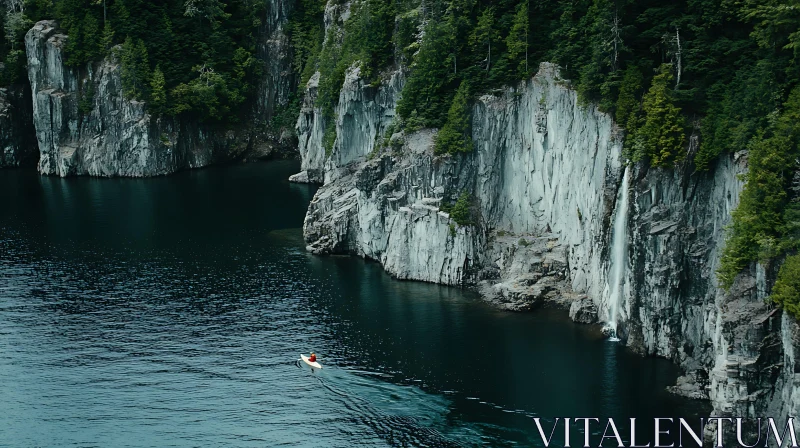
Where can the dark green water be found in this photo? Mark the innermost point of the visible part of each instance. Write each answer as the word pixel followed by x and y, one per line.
pixel 171 312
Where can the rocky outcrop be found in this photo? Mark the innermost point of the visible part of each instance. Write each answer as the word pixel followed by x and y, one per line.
pixel 583 311
pixel 85 126
pixel 545 177
pixel 385 211
pixel 537 184
pixel 17 139
pixel 360 119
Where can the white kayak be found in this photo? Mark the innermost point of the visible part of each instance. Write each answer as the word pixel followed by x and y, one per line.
pixel 314 364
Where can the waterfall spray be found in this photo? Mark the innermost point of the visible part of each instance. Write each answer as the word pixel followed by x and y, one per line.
pixel 619 255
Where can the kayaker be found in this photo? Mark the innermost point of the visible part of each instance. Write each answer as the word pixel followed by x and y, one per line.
pixel 313 357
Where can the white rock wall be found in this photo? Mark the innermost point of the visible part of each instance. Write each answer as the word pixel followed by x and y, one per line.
pixel 548 165
pixel 361 117
pixel 548 169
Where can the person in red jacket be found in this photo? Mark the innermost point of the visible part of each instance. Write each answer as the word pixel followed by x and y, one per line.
pixel 312 358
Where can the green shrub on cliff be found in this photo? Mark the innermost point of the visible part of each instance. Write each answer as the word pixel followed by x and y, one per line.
pixel 766 221
pixel 786 291
pixel 329 137
pixel 86 101
pixel 461 211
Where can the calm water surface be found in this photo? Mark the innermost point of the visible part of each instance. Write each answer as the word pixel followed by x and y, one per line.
pixel 171 312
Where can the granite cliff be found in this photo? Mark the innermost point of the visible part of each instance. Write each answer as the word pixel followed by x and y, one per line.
pixel 545 178
pixel 85 126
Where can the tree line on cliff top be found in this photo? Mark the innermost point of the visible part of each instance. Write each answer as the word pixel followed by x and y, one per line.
pixel 724 71
pixel 183 57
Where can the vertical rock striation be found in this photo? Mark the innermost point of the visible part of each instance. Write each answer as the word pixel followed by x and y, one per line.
pixel 277 82
pixel 362 116
pixel 276 85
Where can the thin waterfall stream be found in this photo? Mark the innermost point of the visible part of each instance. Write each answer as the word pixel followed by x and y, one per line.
pixel 618 262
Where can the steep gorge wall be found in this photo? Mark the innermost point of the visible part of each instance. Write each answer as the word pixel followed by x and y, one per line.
pixel 116 136
pixel 545 175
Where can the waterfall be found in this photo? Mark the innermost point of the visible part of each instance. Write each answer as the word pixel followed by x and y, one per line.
pixel 618 262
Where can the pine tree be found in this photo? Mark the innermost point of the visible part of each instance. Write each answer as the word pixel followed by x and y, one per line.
pixel 460 23
pixel 627 102
pixel 92 39
pixel 426 89
pixel 662 136
pixel 108 36
pixel 375 37
pixel 517 40
pixel 122 18
pixel 158 94
pixel 135 68
pixel 484 36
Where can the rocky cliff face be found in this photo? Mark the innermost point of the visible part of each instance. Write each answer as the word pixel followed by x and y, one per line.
pixel 277 82
pixel 545 179
pixel 114 136
pixel 84 125
pixel 362 116
pixel 17 139
pixel 276 85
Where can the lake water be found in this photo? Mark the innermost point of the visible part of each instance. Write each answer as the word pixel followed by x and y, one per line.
pixel 172 311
